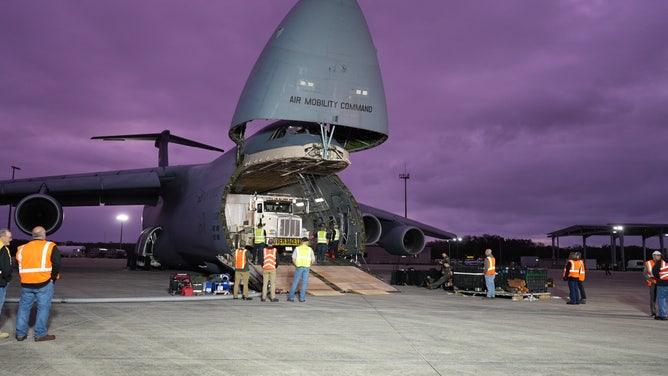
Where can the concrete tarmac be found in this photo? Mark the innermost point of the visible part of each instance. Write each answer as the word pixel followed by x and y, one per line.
pixel 413 332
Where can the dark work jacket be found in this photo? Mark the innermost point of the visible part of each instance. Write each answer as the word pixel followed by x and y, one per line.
pixel 5 266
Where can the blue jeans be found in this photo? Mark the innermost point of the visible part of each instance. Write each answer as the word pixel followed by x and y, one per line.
pixel 28 297
pixel 322 249
pixel 574 291
pixel 662 297
pixel 258 258
pixel 489 282
pixel 300 272
pixel 3 293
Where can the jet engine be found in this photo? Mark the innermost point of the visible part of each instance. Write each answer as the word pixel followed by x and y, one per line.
pixel 397 238
pixel 372 228
pixel 402 240
pixel 38 210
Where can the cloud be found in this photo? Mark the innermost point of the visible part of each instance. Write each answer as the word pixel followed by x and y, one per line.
pixel 513 118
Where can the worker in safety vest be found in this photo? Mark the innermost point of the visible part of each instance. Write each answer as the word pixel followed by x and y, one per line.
pixel 39 268
pixel 581 289
pixel 651 280
pixel 572 270
pixel 660 272
pixel 269 265
pixel 490 273
pixel 259 236
pixel 302 258
pixel 334 241
pixel 5 269
pixel 241 271
pixel 322 243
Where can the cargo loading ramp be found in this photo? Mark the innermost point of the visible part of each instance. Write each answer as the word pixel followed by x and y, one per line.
pixel 332 280
pixel 351 279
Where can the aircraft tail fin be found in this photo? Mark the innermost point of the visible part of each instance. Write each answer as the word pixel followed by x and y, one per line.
pixel 161 139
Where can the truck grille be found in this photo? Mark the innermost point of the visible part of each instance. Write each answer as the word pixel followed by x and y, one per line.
pixel 289 227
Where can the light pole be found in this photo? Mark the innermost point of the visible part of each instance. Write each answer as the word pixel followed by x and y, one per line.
pixel 405 176
pixel 122 218
pixel 620 230
pixel 458 240
pixel 9 214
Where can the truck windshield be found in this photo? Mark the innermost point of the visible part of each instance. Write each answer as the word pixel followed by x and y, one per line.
pixel 278 207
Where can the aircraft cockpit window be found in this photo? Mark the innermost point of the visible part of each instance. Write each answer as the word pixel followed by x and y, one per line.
pixel 279 133
pixel 309 128
pixel 297 129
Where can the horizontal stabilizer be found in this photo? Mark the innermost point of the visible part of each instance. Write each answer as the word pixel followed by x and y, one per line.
pixel 161 140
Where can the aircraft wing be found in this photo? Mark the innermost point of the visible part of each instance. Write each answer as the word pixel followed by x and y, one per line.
pixel 124 187
pixel 387 216
pixel 39 201
pixel 397 234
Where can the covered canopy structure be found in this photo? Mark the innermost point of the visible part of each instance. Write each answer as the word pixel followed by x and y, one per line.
pixel 615 231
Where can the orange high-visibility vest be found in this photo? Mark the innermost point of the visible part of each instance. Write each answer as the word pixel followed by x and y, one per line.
pixel 269 255
pixel 574 271
pixel 491 266
pixel 581 277
pixel 240 259
pixel 34 260
pixel 651 280
pixel 663 272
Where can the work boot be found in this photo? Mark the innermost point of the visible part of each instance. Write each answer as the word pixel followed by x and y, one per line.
pixel 48 337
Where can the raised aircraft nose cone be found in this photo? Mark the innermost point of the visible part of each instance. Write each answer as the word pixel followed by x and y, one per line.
pixel 320 66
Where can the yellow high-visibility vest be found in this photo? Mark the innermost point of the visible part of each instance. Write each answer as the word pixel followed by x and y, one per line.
pixel 259 236
pixel 322 237
pixel 303 258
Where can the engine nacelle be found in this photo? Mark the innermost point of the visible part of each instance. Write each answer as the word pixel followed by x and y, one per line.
pixel 372 228
pixel 38 210
pixel 402 240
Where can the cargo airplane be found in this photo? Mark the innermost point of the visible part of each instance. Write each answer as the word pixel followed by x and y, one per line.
pixel 317 85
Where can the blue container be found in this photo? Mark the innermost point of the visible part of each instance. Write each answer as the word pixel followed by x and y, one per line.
pixel 208 287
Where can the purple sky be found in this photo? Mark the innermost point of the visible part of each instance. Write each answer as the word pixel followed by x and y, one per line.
pixel 514 118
